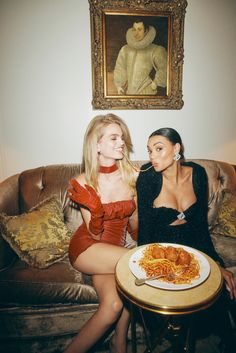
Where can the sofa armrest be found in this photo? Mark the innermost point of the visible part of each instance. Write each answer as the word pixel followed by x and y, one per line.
pixel 9 195
pixel 9 204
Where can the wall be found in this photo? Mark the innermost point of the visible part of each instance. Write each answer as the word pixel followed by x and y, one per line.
pixel 46 85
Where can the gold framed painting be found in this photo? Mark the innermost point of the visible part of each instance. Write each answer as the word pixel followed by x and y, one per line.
pixel 137 53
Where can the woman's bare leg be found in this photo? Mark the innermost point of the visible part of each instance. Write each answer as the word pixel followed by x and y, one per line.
pixel 119 339
pixel 109 311
pixel 99 258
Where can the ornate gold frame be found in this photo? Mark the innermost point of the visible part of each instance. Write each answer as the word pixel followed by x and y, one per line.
pixel 173 12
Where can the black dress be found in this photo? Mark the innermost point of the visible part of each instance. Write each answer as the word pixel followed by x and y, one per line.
pixel 154 227
pixel 154 223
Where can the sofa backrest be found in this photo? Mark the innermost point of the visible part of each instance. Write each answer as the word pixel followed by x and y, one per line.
pixel 221 176
pixel 38 184
pixel 35 185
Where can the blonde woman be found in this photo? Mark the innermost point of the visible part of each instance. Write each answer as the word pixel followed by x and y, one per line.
pixel 106 195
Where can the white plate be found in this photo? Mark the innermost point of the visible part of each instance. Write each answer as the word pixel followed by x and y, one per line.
pixel 140 273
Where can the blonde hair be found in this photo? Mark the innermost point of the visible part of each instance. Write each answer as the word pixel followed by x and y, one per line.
pixel 90 153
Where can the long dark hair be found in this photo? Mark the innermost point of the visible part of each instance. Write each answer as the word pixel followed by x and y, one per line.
pixel 172 135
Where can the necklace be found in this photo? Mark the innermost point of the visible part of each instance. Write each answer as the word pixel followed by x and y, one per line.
pixel 107 170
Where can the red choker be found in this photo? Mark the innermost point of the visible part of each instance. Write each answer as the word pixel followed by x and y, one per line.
pixel 106 170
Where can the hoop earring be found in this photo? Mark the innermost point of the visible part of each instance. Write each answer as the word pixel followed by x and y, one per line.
pixel 176 157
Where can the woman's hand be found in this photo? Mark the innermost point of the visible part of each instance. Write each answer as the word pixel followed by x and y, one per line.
pixel 85 196
pixel 230 282
pixel 88 197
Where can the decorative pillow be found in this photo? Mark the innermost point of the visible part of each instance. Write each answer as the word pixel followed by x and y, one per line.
pixel 40 236
pixel 225 247
pixel 226 218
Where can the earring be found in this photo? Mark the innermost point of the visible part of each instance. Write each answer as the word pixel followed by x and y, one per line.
pixel 176 157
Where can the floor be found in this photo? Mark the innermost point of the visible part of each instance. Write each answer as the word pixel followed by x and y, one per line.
pixel 209 344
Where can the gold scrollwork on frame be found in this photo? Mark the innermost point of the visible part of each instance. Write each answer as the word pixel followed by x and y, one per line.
pixel 137 53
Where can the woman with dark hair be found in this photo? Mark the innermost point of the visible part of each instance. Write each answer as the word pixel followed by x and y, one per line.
pixel 172 200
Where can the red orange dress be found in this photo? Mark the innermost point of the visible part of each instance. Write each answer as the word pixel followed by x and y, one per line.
pixel 116 217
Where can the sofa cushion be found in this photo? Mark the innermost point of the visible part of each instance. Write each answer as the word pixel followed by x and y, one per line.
pixel 39 237
pixel 225 247
pixel 24 285
pixel 225 224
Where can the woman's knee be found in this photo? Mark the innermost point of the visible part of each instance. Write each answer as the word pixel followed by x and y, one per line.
pixel 117 306
pixel 112 309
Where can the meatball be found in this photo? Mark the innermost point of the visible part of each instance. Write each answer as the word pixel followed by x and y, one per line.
pixel 158 253
pixel 171 253
pixel 184 258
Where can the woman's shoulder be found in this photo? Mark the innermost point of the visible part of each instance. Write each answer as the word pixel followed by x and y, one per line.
pixel 142 174
pixel 147 176
pixel 200 178
pixel 196 167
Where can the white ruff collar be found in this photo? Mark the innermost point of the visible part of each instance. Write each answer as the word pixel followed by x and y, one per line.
pixel 141 44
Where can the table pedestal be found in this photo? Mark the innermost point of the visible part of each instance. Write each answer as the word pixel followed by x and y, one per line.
pixel 179 333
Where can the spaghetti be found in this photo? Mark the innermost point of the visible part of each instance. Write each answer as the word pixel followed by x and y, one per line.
pixel 134 167
pixel 163 260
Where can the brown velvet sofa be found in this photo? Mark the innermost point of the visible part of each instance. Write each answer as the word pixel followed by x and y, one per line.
pixel 41 309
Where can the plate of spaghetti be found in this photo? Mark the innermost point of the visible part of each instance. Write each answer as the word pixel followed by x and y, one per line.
pixel 190 266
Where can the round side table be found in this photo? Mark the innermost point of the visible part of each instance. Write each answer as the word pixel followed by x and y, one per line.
pixel 171 303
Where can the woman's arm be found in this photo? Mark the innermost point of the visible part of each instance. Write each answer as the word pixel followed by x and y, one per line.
pixel 90 205
pixel 230 282
pixel 132 225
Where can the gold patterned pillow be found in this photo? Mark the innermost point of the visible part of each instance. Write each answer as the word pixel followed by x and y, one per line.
pixel 39 237
pixel 226 218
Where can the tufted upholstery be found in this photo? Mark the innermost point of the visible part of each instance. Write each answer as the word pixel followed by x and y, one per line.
pixel 36 304
pixel 221 176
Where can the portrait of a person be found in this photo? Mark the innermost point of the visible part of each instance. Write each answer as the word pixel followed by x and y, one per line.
pixel 141 65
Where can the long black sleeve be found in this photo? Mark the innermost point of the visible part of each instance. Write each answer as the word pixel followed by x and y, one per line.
pixel 147 182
